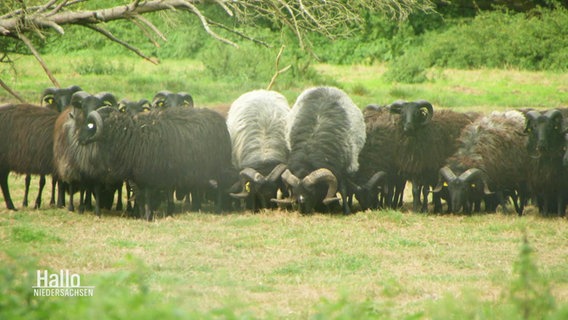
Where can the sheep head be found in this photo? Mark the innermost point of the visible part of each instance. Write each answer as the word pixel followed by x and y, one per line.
pixel 58 99
pixel 413 115
pixel 306 192
pixel 545 132
pixel 254 184
pixel 367 194
pixel 166 99
pixel 134 107
pixel 462 189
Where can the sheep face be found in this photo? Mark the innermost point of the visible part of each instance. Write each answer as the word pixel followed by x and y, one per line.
pixel 308 193
pixel 413 115
pixel 256 185
pixel 545 133
pixel 368 193
pixel 58 99
pixel 134 107
pixel 167 99
pixel 83 105
pixel 465 189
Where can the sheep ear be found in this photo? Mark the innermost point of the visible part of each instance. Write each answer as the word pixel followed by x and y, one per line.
pixel 108 99
pixel 145 104
pixel 187 100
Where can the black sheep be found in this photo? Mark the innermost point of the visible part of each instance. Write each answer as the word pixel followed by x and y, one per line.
pixel 26 145
pixel 173 148
pixel 425 140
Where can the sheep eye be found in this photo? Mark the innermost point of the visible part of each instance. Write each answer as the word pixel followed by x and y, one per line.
pixel 473 185
pixel 48 99
pixel 160 104
pixel 247 186
pixel 423 112
pixel 145 109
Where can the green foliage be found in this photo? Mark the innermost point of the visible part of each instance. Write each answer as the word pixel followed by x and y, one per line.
pixel 345 309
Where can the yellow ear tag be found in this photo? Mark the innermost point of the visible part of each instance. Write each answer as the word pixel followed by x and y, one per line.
pixel 445 184
pixel 247 186
pixel 473 185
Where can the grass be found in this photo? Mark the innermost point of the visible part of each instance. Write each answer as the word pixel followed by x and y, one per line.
pixel 133 78
pixel 278 264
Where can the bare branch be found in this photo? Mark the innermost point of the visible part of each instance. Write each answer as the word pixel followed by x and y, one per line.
pixel 36 54
pixel 10 91
pixel 278 71
pixel 205 24
pixel 151 26
pixel 109 35
pixel 240 34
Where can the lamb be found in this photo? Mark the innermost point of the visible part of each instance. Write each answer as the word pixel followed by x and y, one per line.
pixel 160 150
pixel 26 145
pixel 546 146
pixel 491 158
pixel 425 141
pixel 377 167
pixel 257 125
pixel 325 132
pixel 72 162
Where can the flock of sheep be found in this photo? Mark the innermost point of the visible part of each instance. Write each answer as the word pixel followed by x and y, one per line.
pixel 264 154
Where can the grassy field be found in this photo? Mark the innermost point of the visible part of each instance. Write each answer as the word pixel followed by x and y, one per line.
pixel 278 264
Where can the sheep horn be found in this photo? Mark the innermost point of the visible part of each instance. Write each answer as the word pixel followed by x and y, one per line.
pixel 290 178
pixel 445 174
pixel 425 104
pixel 473 173
pixel 276 172
pixel 555 115
pixel 252 175
pixel 323 175
pixel 375 180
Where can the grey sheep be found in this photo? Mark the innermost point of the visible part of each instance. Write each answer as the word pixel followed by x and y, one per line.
pixel 325 133
pixel 257 125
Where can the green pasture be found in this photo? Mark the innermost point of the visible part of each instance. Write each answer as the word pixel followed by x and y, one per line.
pixel 279 264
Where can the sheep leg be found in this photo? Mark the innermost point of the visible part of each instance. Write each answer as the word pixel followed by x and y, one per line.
pixel 97 194
pixel 61 193
pixel 425 191
pixel 53 188
pixel 170 206
pixel 26 190
pixel 415 196
pixel 82 201
pixel 41 185
pixel 560 204
pixel 436 199
pixel 147 204
pixel 6 191
pixel 345 203
pixel 71 207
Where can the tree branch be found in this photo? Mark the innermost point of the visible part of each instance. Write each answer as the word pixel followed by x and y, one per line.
pixel 36 54
pixel 10 91
pixel 109 35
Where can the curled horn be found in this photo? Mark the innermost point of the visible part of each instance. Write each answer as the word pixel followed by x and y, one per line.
pixel 556 116
pixel 473 173
pixel 323 175
pixel 276 172
pixel 375 180
pixel 290 178
pixel 425 104
pixel 248 175
pixel 94 118
pixel 447 174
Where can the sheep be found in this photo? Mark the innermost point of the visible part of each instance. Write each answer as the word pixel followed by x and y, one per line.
pixel 134 107
pixel 257 125
pixel 159 150
pixel 546 146
pixel 71 161
pixel 26 145
pixel 325 132
pixel 377 165
pixel 55 99
pixel 425 141
pixel 491 159
pixel 166 99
